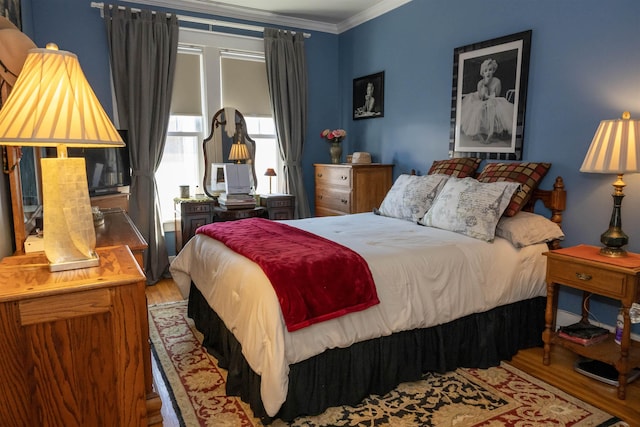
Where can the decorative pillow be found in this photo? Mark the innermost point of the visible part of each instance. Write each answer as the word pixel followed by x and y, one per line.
pixel 528 175
pixel 459 167
pixel 470 207
pixel 528 228
pixel 411 196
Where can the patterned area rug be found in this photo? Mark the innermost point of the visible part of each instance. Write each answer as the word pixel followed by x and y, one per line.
pixel 495 397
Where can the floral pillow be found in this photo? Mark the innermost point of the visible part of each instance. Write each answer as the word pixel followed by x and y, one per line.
pixel 526 228
pixel 470 207
pixel 528 175
pixel 458 167
pixel 411 196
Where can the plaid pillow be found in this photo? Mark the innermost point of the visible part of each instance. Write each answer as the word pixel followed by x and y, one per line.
pixel 528 175
pixel 461 167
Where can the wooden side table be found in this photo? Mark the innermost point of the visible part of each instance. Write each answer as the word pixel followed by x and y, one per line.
pixel 583 268
pixel 189 214
pixel 279 206
pixel 119 229
pixel 74 348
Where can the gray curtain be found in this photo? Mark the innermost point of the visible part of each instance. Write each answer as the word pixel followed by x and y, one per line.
pixel 287 79
pixel 143 48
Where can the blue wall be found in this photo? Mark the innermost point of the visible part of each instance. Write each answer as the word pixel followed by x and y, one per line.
pixel 585 63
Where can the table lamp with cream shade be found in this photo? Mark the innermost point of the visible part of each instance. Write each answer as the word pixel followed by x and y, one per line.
pixel 239 152
pixel 615 149
pixel 52 105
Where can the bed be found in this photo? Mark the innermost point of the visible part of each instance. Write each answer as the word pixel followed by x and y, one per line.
pixel 447 300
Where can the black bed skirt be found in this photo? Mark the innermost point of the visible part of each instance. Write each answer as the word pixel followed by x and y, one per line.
pixel 345 376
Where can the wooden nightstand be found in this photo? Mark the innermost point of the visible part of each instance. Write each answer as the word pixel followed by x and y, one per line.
pixel 582 267
pixel 279 206
pixel 75 344
pixel 189 214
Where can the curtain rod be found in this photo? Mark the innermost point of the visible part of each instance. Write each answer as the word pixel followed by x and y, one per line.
pixel 205 21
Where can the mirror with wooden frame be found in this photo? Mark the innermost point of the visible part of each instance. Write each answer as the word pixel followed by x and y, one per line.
pixel 217 146
pixel 22 164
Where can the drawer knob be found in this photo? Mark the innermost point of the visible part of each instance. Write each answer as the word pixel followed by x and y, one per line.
pixel 344 201
pixel 344 178
pixel 583 276
pixel 319 175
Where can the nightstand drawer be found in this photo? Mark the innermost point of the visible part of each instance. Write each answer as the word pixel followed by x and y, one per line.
pixel 280 201
pixel 587 277
pixel 197 208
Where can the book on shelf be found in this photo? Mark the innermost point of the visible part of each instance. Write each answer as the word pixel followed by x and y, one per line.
pixel 583 333
pixel 583 341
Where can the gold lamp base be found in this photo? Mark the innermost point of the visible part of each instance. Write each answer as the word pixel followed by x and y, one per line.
pixel 613 252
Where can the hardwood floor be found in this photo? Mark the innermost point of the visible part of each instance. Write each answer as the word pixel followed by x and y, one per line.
pixel 559 374
pixel 163 292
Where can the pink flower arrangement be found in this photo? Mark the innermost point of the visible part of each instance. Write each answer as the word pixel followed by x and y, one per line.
pixel 336 135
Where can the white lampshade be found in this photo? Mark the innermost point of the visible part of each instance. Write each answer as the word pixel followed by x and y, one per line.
pixel 52 105
pixel 239 151
pixel 614 150
pixel 615 147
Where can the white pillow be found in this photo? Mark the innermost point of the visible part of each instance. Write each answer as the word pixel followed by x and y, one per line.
pixel 526 228
pixel 469 207
pixel 411 196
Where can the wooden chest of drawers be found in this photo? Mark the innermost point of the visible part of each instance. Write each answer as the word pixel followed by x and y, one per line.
pixel 350 188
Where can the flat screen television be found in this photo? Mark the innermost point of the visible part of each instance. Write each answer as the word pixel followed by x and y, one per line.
pixel 108 169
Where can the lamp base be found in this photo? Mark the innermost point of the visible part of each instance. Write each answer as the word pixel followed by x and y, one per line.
pixel 613 252
pixel 94 261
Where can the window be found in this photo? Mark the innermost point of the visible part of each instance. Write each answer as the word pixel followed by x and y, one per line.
pixel 263 131
pixel 201 89
pixel 181 162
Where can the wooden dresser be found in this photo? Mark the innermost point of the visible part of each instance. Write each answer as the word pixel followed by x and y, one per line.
pixel 351 188
pixel 75 343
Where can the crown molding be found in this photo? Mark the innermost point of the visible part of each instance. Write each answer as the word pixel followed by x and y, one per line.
pixel 242 13
pixel 369 14
pixel 255 15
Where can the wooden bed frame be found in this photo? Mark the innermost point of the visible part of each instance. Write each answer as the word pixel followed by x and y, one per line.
pixel 345 376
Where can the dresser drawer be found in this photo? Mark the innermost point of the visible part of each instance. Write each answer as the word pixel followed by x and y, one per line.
pixel 331 199
pixel 190 208
pixel 587 277
pixel 333 176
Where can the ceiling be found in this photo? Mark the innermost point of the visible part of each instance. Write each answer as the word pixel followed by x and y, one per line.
pixel 333 16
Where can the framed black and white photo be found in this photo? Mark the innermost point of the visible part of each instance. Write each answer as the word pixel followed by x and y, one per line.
pixel 489 96
pixel 368 96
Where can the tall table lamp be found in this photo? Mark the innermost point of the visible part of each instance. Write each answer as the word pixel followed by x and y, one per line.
pixel 239 152
pixel 270 173
pixel 615 149
pixel 52 105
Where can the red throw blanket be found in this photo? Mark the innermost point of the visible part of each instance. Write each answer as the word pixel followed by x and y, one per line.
pixel 315 279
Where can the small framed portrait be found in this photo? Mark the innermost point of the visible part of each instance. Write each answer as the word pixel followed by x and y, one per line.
pixel 489 95
pixel 368 96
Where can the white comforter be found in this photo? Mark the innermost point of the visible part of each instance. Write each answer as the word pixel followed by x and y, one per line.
pixel 424 277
